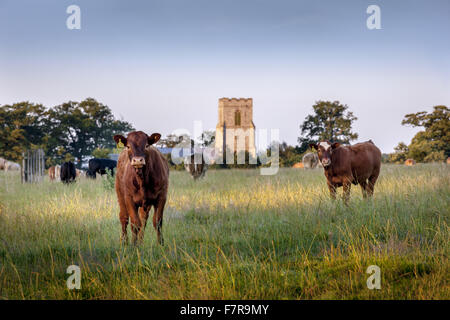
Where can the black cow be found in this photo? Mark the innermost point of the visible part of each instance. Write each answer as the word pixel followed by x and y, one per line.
pixel 100 166
pixel 68 172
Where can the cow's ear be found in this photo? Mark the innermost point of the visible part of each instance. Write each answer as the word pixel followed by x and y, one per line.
pixel 313 146
pixel 335 145
pixel 119 138
pixel 154 138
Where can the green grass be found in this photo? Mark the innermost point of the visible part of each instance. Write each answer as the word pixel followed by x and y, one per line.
pixel 233 235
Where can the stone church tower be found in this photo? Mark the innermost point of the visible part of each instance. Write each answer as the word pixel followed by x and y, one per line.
pixel 235 129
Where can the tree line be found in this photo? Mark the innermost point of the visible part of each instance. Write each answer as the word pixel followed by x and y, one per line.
pixel 77 130
pixel 69 131
pixel 329 120
pixel 432 144
pixel 333 121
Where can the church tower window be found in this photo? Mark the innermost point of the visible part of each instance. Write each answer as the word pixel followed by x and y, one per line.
pixel 237 118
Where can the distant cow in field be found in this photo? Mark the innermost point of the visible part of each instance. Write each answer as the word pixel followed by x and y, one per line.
pixel 142 181
pixel 97 165
pixel 68 173
pixel 196 168
pixel 344 165
pixel 80 173
pixel 410 162
pixel 51 173
pixel 448 160
pixel 298 165
pixel 9 165
pixel 310 160
pixel 58 172
pixel 12 166
pixel 2 163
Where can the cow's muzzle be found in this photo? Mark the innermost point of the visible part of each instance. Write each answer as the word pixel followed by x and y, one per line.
pixel 326 162
pixel 138 162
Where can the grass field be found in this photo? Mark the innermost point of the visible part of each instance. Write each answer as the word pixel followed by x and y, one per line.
pixel 233 235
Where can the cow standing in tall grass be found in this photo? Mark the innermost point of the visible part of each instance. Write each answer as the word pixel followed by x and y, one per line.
pixel 142 181
pixel 344 165
pixel 68 172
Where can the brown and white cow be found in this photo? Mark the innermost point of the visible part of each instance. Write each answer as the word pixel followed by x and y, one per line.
pixel 142 181
pixel 80 173
pixel 344 165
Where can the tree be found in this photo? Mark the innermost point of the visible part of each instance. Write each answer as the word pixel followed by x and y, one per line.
pixel 102 153
pixel 81 128
pixel 207 138
pixel 21 128
pixel 288 155
pixel 331 121
pixel 400 155
pixel 71 130
pixel 172 140
pixel 432 144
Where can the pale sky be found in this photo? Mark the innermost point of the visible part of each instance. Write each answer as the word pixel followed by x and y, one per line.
pixel 162 65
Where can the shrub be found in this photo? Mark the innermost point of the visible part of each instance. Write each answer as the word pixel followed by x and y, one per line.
pixel 110 180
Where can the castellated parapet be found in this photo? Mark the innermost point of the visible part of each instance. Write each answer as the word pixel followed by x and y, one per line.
pixel 235 129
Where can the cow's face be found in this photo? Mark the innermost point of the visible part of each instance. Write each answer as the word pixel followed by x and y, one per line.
pixel 135 143
pixel 324 151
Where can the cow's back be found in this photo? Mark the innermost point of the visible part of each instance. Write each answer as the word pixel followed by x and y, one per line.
pixel 365 160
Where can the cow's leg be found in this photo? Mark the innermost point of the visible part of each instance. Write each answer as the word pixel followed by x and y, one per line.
pixel 158 219
pixel 123 216
pixel 143 215
pixel 135 221
pixel 346 195
pixel 332 189
pixel 371 185
pixel 363 185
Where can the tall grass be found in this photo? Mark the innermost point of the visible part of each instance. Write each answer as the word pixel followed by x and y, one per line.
pixel 233 235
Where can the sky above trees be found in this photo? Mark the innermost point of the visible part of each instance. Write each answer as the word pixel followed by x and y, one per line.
pixel 164 64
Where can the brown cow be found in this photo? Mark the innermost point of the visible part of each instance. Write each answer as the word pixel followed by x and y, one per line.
pixel 142 181
pixel 344 165
pixel 410 162
pixel 51 173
